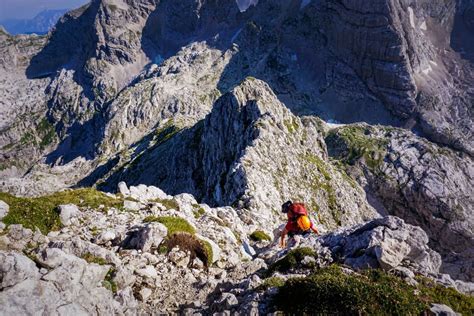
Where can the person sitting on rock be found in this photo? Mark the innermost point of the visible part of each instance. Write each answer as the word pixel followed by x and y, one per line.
pixel 299 224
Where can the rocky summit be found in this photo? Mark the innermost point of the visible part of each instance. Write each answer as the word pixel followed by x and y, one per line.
pixel 146 148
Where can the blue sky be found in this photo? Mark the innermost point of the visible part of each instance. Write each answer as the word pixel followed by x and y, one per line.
pixel 24 9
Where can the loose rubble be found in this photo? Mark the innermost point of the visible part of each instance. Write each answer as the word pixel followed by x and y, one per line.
pixel 110 261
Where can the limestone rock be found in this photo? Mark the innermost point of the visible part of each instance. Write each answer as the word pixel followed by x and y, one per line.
pixel 131 205
pixel 228 300
pixel 146 237
pixel 106 236
pixel 257 148
pixel 71 285
pixel 4 208
pixel 147 272
pixel 179 257
pixel 123 189
pixel 67 213
pixel 442 310
pixel 426 185
pixel 15 268
pixel 386 243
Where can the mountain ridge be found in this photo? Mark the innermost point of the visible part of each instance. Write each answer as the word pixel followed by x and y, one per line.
pixel 360 111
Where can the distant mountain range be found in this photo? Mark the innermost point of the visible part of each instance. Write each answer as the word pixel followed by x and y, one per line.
pixel 40 24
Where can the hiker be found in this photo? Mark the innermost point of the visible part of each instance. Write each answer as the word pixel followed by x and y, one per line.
pixel 298 223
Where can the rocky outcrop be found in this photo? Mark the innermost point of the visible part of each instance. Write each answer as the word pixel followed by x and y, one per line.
pixel 386 243
pixel 427 185
pixel 240 154
pixel 65 284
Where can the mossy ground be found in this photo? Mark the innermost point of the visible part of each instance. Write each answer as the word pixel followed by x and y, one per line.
pixel 373 292
pixel 291 260
pixel 42 212
pixel 173 224
pixel 198 211
pixel 432 292
pixel 352 143
pixel 322 180
pixel 108 282
pixel 271 282
pixel 291 125
pixel 90 258
pixel 259 235
pixel 169 204
pixel 208 248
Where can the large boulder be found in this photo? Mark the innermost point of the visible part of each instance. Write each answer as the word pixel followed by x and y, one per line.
pixel 69 285
pixel 385 243
pixel 15 268
pixel 67 213
pixel 146 237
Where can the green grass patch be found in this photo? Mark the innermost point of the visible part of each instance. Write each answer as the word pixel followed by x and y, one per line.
pixel 271 282
pixel 208 248
pixel 435 293
pixel 90 258
pixel 373 292
pixel 42 212
pixel 108 282
pixel 291 260
pixel 323 183
pixel 198 211
pixel 27 138
pixel 46 132
pixel 260 235
pixel 169 204
pixel 165 133
pixel 352 143
pixel 173 224
pixel 320 165
pixel 8 146
pixel 291 125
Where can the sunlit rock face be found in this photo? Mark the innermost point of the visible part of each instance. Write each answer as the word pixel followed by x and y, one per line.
pixel 358 109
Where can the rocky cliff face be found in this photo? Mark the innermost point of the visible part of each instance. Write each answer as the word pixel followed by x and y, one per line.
pixel 413 178
pixel 251 152
pixel 238 108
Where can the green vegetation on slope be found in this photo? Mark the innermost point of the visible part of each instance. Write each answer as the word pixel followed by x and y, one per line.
pixel 46 132
pixel 198 211
pixel 208 248
pixel 42 211
pixel 271 282
pixel 90 258
pixel 436 293
pixel 291 260
pixel 351 143
pixel 259 235
pixel 169 204
pixel 108 282
pixel 325 185
pixel 173 224
pixel 373 292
